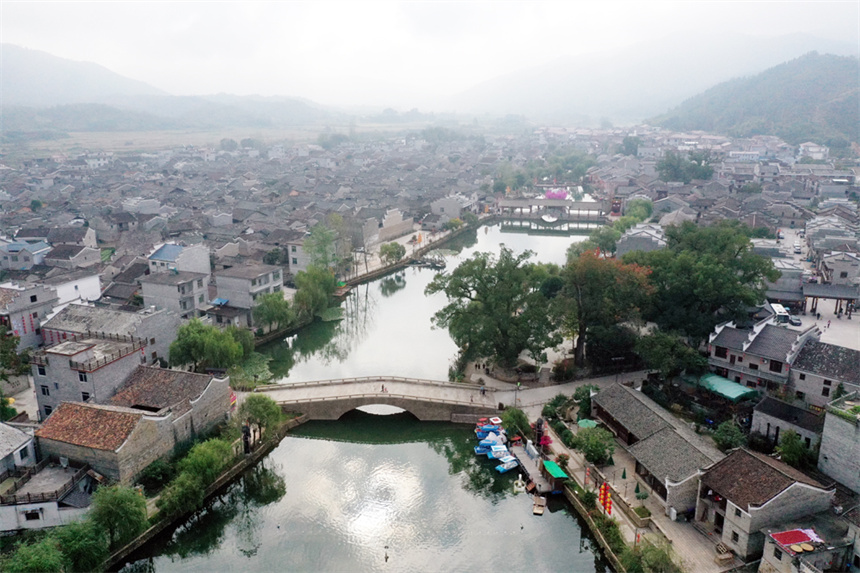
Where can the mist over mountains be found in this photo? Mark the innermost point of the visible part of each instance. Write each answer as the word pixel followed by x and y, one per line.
pixel 42 94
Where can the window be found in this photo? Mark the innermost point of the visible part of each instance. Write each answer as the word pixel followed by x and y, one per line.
pixel 825 392
pixel 33 515
pixel 808 442
pixel 802 376
pixel 41 370
pixel 740 359
pixel 276 275
pixel 48 411
pixel 799 395
pixel 219 319
pixel 777 553
pixel 34 298
pixel 14 258
pixel 200 299
pixel 735 536
pixel 827 382
pixel 45 391
pixel 775 366
pixel 35 315
pixel 295 261
pixel 737 512
pixel 753 366
pixel 293 249
pixel 276 288
pixel 843 275
pixel 82 376
pixel 199 283
pixel 76 287
pixel 155 355
pixel 85 396
pixel 23 453
pixel 253 282
pixel 152 341
pixel 721 352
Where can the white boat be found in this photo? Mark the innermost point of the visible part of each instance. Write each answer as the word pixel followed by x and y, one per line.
pixel 507 463
pixel 498 452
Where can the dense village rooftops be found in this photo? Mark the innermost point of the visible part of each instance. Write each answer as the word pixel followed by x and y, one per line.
pixel 749 479
pixel 153 389
pixel 172 278
pixel 829 361
pixel 83 318
pixel 667 455
pixel 247 271
pixel 166 253
pixel 90 425
pixel 65 252
pixel 793 414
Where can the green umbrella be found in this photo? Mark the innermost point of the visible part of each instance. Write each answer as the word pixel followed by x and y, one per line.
pixel 587 424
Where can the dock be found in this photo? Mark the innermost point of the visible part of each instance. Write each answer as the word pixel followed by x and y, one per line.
pixel 531 468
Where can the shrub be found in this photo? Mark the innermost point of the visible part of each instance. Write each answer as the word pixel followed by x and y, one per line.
pixel 567 437
pixel 760 443
pixel 642 511
pixel 548 412
pixel 596 444
pixel 729 436
pixel 83 545
pixel 588 499
pixel 155 476
pixel 564 370
pixel 183 495
pixel 207 460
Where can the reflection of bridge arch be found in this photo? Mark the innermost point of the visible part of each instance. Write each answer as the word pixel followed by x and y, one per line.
pixel 425 399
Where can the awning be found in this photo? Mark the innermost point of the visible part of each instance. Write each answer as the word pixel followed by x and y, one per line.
pixel 554 470
pixel 724 387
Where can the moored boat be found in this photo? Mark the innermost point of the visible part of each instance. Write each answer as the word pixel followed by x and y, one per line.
pixel 507 463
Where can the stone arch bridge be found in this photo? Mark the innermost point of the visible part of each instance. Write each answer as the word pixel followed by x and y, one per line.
pixel 427 400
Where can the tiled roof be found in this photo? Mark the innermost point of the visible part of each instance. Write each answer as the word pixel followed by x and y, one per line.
pixel 166 253
pixel 64 252
pixel 829 361
pixel 11 439
pixel 667 454
pixel 66 235
pixel 731 338
pixel 247 271
pixel 157 388
pixel 7 295
pixel 82 318
pixel 749 479
pixel 791 414
pixel 90 425
pixel 773 342
pixel 629 411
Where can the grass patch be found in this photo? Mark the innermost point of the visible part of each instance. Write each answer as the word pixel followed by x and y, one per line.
pixel 642 511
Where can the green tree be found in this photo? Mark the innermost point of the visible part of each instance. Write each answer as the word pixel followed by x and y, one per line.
pixel 7 412
pixel 599 292
pixel 120 512
pixel 495 308
pixel 582 396
pixel 630 145
pixel 261 411
pixel 728 436
pixel 319 246
pixel 11 362
pixel 244 337
pixel 705 276
pixel 83 544
pixel 316 285
pixel 275 257
pixel 392 252
pixel 516 421
pixel 596 444
pixel 184 495
pixel 794 452
pixel 750 188
pixel 41 557
pixel 228 144
pixel 35 205
pixel 470 219
pixel 452 224
pixel 272 310
pixel 639 209
pixel 207 460
pixel 674 167
pixel 606 239
pixel 204 346
pixel 667 353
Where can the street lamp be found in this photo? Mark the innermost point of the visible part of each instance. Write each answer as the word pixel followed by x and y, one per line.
pixel 616 360
pixel 516 395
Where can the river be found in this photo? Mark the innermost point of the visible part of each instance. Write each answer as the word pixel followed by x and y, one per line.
pixel 387 328
pixel 333 495
pixel 341 496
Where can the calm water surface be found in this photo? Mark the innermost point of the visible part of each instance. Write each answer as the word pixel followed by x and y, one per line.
pixel 387 328
pixel 333 495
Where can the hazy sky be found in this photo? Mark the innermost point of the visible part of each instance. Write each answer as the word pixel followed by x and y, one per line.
pixel 386 53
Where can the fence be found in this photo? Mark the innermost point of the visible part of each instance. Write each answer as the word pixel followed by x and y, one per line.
pixel 11 498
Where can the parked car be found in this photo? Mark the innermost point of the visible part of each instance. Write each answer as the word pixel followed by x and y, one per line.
pixel 794 321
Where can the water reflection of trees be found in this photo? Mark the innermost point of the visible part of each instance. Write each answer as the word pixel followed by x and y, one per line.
pixel 205 531
pixel 390 285
pixel 329 341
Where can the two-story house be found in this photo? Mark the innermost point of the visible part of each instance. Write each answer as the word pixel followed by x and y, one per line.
pixel 82 368
pixel 239 287
pixel 73 256
pixel 22 308
pixel 184 293
pixel 819 370
pixel 760 356
pixel 81 236
pixel 748 491
pixel 171 257
pixel 22 256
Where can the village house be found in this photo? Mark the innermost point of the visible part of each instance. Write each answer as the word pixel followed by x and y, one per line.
pixel 747 491
pixel 83 367
pixel 72 257
pixel 839 456
pixel 816 545
pixel 642 237
pixel 172 257
pixel 772 417
pixel 22 308
pixel 184 293
pixel 818 371
pixel 17 449
pixel 22 256
pixel 238 288
pixel 852 518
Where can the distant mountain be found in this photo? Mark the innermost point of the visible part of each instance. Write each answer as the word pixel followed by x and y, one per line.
pixel 637 82
pixel 35 78
pixel 815 97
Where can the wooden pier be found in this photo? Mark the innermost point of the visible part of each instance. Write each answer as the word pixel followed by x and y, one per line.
pixel 531 467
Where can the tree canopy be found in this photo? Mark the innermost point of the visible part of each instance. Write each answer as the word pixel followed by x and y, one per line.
pixel 496 308
pixel 260 410
pixel 120 511
pixel 273 311
pixel 667 353
pixel 204 346
pixel 392 252
pixel 316 285
pixel 675 167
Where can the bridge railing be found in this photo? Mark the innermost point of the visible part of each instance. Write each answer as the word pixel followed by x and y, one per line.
pixel 380 379
pixel 388 395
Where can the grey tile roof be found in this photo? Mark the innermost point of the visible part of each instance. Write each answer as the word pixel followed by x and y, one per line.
pixel 171 278
pixel 732 338
pixel 629 411
pixel 791 414
pixel 666 454
pixel 829 361
pixel 773 342
pixel 11 439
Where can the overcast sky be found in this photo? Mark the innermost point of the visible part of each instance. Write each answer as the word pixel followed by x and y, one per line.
pixel 387 53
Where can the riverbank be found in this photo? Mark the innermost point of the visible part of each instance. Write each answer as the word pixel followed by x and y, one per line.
pixel 225 479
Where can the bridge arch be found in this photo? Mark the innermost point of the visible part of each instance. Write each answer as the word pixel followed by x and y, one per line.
pixel 423 409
